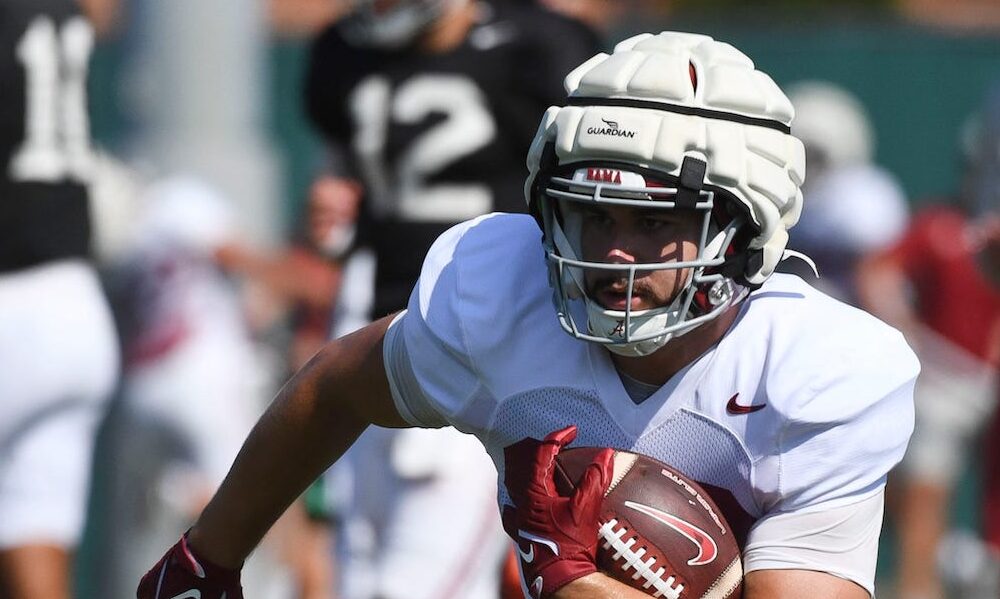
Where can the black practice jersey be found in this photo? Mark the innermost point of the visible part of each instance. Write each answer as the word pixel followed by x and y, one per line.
pixel 440 138
pixel 45 150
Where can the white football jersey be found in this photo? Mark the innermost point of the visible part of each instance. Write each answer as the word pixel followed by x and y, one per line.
pixel 803 406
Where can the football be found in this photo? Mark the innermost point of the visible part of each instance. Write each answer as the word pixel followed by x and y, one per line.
pixel 660 532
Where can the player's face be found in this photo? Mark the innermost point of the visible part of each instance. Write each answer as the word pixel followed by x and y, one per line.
pixel 625 235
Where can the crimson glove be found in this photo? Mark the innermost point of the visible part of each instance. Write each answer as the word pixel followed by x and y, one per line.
pixel 182 573
pixel 556 536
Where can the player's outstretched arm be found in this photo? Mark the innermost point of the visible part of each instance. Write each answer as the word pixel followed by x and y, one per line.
pixel 313 420
pixel 316 416
pixel 799 584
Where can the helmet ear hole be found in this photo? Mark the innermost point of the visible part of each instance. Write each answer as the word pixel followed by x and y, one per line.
pixel 729 213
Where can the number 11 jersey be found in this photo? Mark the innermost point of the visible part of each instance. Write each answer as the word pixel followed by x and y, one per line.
pixel 45 149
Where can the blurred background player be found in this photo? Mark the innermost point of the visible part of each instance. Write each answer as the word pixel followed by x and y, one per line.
pixel 202 345
pixel 58 354
pixel 194 300
pixel 191 381
pixel 431 106
pixel 842 182
pixel 303 278
pixel 940 285
pixel 306 278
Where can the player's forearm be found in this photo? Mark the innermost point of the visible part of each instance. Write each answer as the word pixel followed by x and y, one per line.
pixel 311 423
pixel 598 586
pixel 290 446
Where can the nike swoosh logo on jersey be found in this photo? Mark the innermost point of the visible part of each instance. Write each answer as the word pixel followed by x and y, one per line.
pixel 734 408
pixel 528 556
pixel 192 594
pixel 707 548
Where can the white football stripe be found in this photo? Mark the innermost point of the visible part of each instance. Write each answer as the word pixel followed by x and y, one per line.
pixel 727 582
pixel 622 464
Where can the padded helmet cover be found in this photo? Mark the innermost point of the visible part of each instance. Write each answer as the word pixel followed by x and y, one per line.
pixel 658 99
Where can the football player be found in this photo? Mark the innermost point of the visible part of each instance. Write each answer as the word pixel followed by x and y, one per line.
pixel 58 353
pixel 662 191
pixel 432 105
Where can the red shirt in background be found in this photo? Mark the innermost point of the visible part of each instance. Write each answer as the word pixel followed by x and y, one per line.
pixel 957 301
pixel 954 298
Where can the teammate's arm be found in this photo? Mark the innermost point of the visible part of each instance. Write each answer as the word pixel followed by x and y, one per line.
pixel 313 420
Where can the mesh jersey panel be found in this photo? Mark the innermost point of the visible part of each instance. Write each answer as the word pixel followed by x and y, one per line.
pixel 697 446
pixel 705 451
pixel 541 411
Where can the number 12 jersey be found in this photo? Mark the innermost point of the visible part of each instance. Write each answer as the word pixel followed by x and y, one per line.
pixel 438 138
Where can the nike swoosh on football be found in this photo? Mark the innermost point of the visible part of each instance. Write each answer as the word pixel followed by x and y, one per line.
pixel 707 548
pixel 734 408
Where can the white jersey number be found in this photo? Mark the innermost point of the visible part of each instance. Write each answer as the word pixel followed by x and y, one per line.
pixel 57 132
pixel 468 127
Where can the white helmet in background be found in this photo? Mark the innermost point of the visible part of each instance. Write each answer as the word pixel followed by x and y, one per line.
pixel 833 125
pixel 187 214
pixel 671 121
pixel 391 23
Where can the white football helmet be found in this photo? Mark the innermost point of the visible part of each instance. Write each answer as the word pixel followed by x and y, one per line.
pixel 391 24
pixel 670 121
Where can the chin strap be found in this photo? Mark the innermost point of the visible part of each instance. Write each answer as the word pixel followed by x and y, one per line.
pixel 546 163
pixel 690 182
